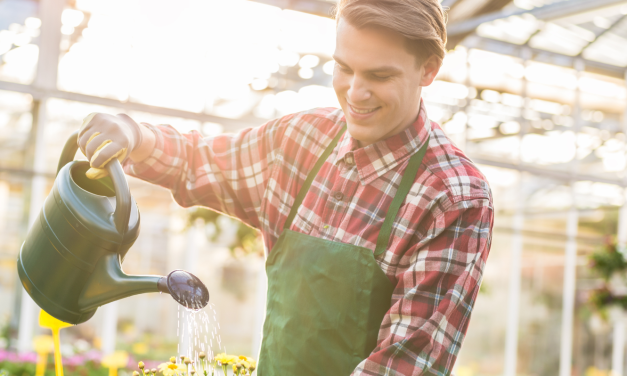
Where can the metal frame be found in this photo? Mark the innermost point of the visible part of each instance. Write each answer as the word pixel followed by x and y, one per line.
pixel 229 124
pixel 547 12
pixel 608 30
pixel 542 56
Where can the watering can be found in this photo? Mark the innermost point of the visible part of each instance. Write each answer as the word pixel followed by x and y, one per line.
pixel 70 262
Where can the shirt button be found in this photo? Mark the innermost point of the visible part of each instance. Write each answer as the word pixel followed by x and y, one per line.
pixel 338 196
pixel 349 159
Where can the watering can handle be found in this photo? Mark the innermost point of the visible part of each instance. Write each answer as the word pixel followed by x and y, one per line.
pixel 122 192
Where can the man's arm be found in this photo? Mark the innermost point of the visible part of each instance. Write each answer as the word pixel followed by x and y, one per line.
pixel 228 173
pixel 422 332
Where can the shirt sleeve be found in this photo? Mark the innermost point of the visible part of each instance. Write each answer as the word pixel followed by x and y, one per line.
pixel 228 173
pixel 422 332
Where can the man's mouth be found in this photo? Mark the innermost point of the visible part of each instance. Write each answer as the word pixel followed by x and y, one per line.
pixel 363 110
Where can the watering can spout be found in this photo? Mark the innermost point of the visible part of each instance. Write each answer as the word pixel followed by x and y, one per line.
pixel 109 283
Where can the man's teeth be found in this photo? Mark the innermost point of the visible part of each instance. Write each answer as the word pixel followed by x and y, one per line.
pixel 363 111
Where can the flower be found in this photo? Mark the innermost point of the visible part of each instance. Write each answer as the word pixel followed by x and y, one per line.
pixel 140 365
pixel 171 369
pixel 247 362
pixel 224 359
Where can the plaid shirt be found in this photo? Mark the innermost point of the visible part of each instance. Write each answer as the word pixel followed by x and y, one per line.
pixel 440 239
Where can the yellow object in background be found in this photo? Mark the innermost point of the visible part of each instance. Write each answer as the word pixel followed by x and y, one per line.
pixel 98 343
pixel 42 345
pixel 140 348
pixel 47 321
pixel 118 359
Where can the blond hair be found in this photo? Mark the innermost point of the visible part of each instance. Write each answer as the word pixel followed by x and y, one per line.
pixel 421 22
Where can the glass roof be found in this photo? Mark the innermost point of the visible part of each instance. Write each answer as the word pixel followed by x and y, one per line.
pixel 201 57
pixel 598 35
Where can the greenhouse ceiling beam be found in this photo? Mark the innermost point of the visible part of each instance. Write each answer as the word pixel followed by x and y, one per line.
pixel 602 33
pixel 317 7
pixel 552 174
pixel 548 12
pixel 542 56
pixel 230 125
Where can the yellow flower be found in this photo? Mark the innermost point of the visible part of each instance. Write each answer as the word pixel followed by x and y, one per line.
pixel 247 362
pixel 171 369
pixel 224 359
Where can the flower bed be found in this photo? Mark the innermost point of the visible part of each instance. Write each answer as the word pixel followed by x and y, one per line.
pixel 241 366
pixel 14 364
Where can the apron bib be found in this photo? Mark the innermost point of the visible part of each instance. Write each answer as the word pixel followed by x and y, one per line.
pixel 326 300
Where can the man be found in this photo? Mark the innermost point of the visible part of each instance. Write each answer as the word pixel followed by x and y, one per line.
pixel 376 237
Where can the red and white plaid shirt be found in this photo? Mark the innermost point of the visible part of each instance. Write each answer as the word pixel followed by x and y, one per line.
pixel 440 239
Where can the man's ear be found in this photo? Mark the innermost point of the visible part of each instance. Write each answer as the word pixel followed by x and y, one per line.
pixel 430 69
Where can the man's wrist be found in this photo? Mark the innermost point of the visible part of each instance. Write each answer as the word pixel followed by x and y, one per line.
pixel 144 150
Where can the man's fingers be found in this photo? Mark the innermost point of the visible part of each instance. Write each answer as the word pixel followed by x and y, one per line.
pixel 106 153
pixel 97 142
pixel 87 120
pixel 96 173
pixel 91 138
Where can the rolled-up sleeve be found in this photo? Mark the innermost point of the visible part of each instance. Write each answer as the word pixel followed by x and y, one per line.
pixel 424 329
pixel 228 173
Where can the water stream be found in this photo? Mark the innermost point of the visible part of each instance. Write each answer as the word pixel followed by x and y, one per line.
pixel 198 331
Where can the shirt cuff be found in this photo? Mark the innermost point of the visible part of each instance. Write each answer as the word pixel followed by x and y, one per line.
pixel 137 169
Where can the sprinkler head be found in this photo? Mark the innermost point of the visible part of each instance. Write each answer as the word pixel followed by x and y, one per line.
pixel 185 288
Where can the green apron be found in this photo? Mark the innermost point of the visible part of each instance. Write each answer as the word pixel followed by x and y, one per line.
pixel 326 300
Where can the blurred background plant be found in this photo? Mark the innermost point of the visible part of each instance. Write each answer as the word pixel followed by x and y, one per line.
pixel 608 262
pixel 247 240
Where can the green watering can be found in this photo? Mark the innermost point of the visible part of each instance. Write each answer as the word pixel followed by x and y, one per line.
pixel 70 263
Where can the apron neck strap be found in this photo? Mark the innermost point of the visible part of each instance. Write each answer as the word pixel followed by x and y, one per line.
pixel 406 183
pixel 312 175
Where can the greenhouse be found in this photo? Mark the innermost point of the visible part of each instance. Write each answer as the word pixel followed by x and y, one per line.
pixel 534 92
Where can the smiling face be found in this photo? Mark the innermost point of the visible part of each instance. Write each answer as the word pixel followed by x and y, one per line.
pixel 377 81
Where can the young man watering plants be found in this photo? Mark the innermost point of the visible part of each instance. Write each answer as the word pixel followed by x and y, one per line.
pixel 377 228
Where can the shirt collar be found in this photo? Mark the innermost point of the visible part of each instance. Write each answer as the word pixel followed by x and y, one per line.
pixel 376 159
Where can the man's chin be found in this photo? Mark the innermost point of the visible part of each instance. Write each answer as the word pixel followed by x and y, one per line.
pixel 361 132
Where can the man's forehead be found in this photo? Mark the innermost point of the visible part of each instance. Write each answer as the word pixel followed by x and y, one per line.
pixel 370 66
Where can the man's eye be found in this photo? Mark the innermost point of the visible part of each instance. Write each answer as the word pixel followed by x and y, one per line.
pixel 382 77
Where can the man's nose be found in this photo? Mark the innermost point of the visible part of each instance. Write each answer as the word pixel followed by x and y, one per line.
pixel 359 91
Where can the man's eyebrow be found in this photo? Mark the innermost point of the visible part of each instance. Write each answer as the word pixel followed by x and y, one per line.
pixel 385 68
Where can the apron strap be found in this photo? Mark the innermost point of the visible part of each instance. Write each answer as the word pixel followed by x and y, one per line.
pixel 406 182
pixel 312 175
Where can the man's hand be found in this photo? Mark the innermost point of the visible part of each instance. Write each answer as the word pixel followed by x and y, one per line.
pixel 103 137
